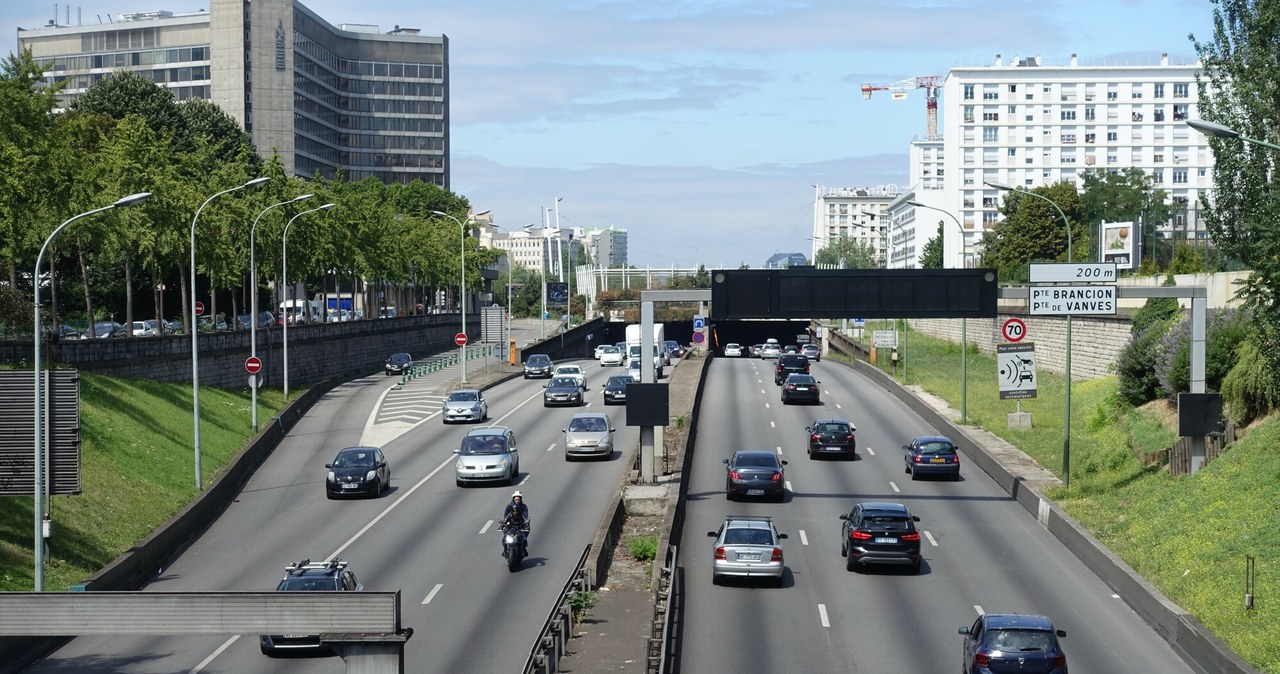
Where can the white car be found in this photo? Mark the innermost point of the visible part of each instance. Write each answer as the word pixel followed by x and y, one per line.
pixel 573 371
pixel 770 352
pixel 141 329
pixel 733 350
pixel 611 356
pixel 600 350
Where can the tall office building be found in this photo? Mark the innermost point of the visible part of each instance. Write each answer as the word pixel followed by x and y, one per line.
pixel 852 213
pixel 327 97
pixel 1029 122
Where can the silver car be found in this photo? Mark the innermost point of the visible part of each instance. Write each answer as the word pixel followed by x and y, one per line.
pixel 487 454
pixel 588 434
pixel 747 547
pixel 465 404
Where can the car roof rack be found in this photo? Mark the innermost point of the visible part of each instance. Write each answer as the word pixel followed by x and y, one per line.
pixel 301 568
pixel 758 518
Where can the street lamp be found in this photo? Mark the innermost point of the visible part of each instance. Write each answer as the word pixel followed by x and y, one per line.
pixel 38 506
pixel 253 298
pixel 195 327
pixel 1219 131
pixel 284 282
pixel 1066 414
pixel 964 322
pixel 546 258
pixel 462 289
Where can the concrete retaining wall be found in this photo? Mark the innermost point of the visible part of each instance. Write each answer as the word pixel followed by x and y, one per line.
pixel 1096 342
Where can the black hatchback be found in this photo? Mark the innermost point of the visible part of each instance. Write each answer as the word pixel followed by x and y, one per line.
pixel 789 363
pixel 615 389
pixel 832 437
pixel 398 363
pixel 880 533
pixel 754 473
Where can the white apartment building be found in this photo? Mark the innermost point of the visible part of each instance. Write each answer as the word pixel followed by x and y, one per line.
pixel 851 212
pixel 1030 121
pixel 607 247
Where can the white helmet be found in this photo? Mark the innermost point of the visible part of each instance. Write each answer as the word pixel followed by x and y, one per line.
pixel 517 494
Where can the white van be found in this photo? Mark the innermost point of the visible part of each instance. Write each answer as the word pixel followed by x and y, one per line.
pixel 301 311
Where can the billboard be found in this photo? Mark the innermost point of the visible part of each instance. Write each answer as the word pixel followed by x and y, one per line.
pixel 558 294
pixel 1118 247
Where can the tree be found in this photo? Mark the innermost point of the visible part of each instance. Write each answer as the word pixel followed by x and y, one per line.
pixel 849 253
pixel 1033 231
pixel 25 185
pixel 124 92
pixel 1237 88
pixel 1129 195
pixel 931 254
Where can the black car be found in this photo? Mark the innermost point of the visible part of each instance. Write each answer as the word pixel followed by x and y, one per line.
pixel 538 366
pixel 931 455
pixel 562 391
pixel 831 437
pixel 880 533
pixel 398 363
pixel 672 348
pixel 331 576
pixel 358 470
pixel 615 389
pixel 754 473
pixel 1013 642
pixel 789 363
pixel 801 388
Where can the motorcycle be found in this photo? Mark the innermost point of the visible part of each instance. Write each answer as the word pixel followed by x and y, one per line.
pixel 514 539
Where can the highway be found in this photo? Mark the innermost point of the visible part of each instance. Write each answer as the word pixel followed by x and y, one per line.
pixel 983 552
pixel 435 542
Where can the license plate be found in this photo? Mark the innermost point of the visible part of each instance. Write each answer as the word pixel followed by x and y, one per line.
pixel 755 492
pixel 295 636
pixel 886 539
pixel 937 460
pixel 350 485
pixel 802 388
pixel 749 557
pixel 832 449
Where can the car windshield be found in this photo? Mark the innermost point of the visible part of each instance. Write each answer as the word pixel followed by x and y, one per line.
pixel 304 584
pixel 618 380
pixel 935 448
pixel 748 537
pixel 588 424
pixel 464 396
pixel 757 460
pixel 399 358
pixel 563 382
pixel 484 444
pixel 886 523
pixel 569 369
pixel 357 459
pixel 608 349
pixel 831 428
pixel 800 379
pixel 539 360
pixel 1020 640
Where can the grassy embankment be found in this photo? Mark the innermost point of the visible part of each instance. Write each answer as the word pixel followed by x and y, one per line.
pixel 137 470
pixel 1188 535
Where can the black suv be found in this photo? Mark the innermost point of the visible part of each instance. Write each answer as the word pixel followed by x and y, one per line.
pixel 880 533
pixel 789 363
pixel 331 576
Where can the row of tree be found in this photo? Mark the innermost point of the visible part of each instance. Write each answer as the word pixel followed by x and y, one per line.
pixel 126 135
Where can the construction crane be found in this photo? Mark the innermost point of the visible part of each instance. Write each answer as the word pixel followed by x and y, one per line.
pixel 898 90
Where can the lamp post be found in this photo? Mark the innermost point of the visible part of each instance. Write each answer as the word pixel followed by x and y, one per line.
pixel 253 298
pixel 546 259
pixel 38 474
pixel 964 322
pixel 1219 131
pixel 195 327
pixel 284 281
pixel 462 289
pixel 1066 414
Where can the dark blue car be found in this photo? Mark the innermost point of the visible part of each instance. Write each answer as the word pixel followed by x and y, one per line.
pixel 932 455
pixel 1013 642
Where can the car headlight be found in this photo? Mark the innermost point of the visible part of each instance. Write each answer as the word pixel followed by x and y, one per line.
pixel 332 477
pixel 460 465
pixel 369 476
pixel 475 407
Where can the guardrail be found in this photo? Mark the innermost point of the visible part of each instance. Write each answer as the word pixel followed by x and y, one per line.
pixel 421 368
pixel 553 641
pixel 665 597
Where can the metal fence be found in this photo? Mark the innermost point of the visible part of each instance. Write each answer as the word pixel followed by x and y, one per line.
pixel 665 600
pixel 553 641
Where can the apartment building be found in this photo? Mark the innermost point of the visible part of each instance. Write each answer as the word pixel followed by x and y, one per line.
pixel 348 97
pixel 856 213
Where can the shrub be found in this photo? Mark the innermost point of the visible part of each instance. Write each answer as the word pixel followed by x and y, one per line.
pixel 1108 411
pixel 1248 390
pixel 1136 366
pixel 643 548
pixel 1225 329
pixel 1156 310
pixel 581 602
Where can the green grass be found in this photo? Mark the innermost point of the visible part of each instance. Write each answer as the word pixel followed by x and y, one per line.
pixel 137 470
pixel 643 548
pixel 1188 535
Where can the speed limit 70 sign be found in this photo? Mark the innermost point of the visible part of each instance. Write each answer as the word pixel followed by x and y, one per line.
pixel 1013 330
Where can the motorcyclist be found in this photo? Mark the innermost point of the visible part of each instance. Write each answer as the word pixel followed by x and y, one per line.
pixel 516 515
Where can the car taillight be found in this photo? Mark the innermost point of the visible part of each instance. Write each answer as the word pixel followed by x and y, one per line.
pixel 791 387
pixel 777 555
pixel 982 659
pixel 1060 660
pixel 919 458
pixel 777 477
pixel 733 475
pixel 720 552
pixel 806 369
pixel 859 535
pixel 955 459
pixel 911 537
pixel 849 437
pixel 815 438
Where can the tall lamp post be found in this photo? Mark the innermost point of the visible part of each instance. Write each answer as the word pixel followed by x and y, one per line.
pixel 964 322
pixel 38 475
pixel 1066 414
pixel 284 281
pixel 1219 131
pixel 546 258
pixel 253 298
pixel 195 327
pixel 462 289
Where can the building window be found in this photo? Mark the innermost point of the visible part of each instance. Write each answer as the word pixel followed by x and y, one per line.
pixel 1067 115
pixel 1158 159
pixel 1158 115
pixel 1181 90
pixel 1068 138
pixel 1136 91
pixel 1157 176
pixel 968 114
pixel 1013 152
pixel 1113 136
pixel 1090 138
pixel 1013 88
pixel 1089 113
pixel 968 92
pixel 1159 90
pixel 990 116
pixel 1180 176
pixel 1180 112
pixel 990 134
pixel 1113 95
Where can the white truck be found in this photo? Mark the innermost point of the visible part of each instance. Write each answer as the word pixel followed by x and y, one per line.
pixel 302 311
pixel 633 345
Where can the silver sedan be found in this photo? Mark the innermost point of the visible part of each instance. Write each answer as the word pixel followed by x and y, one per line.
pixel 588 434
pixel 465 404
pixel 747 547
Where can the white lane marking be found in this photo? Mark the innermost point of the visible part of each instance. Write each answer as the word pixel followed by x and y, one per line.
pixel 789 486
pixel 771 424
pixel 779 450
pixel 870 451
pixel 930 537
pixel 432 594
pixel 822 615
pixel 386 511
pixel 804 540
pixel 551 448
pixel 205 662
pixel 766 405
pixel 979 609
pixel 485 527
pixel 895 486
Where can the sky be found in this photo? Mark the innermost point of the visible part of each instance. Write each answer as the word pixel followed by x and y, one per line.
pixel 701 126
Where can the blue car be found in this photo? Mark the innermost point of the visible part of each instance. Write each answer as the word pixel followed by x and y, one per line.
pixel 932 455
pixel 1013 642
